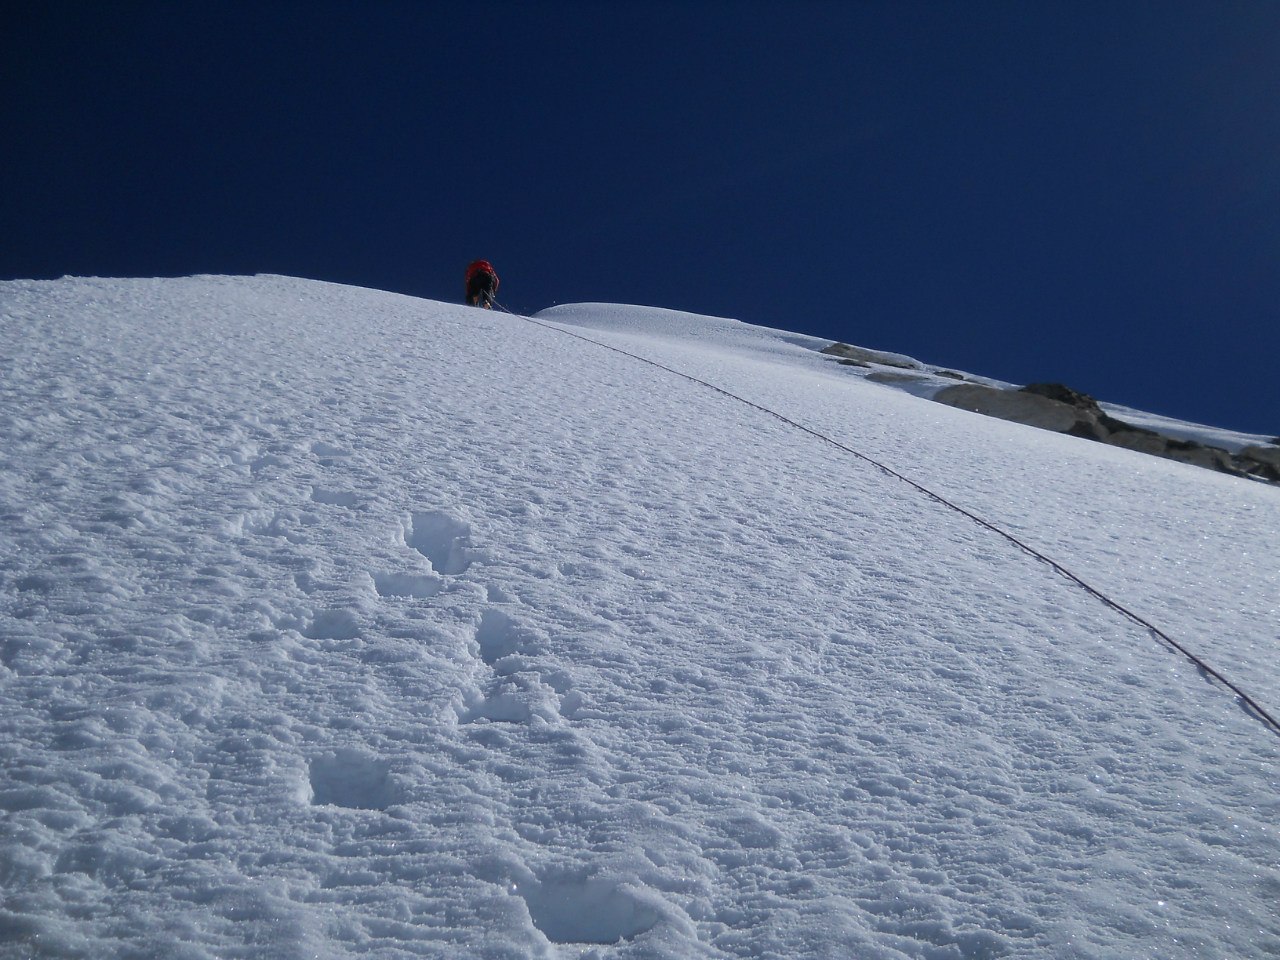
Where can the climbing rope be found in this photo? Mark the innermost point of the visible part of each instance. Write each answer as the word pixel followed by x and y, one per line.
pixel 1245 700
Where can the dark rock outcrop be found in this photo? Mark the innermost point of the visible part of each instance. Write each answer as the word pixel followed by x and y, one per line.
pixel 1032 409
pixel 1266 461
pixel 1054 406
pixel 861 357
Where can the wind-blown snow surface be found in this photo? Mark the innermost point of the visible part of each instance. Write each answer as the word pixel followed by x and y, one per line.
pixel 337 623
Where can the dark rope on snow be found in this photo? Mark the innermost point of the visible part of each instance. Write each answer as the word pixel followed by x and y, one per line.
pixel 1245 700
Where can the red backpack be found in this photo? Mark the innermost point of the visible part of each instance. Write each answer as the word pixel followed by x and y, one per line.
pixel 482 266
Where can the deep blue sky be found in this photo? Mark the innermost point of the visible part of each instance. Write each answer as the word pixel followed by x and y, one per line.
pixel 1083 192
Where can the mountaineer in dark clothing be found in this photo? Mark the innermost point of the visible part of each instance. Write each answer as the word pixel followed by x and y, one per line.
pixel 482 284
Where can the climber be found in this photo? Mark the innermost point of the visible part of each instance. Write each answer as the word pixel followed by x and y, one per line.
pixel 482 284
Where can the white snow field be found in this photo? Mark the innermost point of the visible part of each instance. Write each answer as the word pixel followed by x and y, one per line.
pixel 336 623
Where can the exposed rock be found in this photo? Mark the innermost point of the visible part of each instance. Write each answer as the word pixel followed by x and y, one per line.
pixel 1214 458
pixel 1184 451
pixel 887 376
pixel 1262 462
pixel 1143 441
pixel 1090 412
pixel 1054 406
pixel 1057 407
pixel 1268 455
pixel 1029 408
pixel 862 357
pixel 1063 394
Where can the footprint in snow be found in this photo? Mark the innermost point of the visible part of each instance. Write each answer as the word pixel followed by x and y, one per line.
pixel 326 451
pixel 336 498
pixel 520 690
pixel 444 540
pixel 335 624
pixel 440 538
pixel 354 778
pixel 504 703
pixel 417 586
pixel 497 636
pixel 576 909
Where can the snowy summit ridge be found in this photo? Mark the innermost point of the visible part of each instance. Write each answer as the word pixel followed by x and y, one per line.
pixel 339 623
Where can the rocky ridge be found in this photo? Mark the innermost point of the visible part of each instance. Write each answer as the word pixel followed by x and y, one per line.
pixel 1056 407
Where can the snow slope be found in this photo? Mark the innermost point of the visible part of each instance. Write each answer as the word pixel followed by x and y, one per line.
pixel 336 623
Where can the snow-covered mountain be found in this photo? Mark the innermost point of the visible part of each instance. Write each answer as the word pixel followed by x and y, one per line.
pixel 337 623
